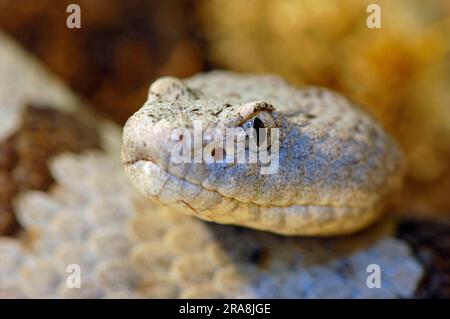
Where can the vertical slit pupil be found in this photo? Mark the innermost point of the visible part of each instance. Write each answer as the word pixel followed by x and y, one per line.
pixel 257 124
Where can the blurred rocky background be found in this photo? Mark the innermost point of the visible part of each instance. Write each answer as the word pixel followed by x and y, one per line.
pixel 399 73
pixel 121 48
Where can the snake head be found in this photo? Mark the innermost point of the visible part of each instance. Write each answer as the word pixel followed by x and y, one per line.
pixel 300 162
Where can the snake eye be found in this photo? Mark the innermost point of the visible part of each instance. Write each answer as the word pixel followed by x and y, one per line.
pixel 259 127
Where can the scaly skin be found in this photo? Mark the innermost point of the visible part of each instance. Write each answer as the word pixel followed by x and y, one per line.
pixel 337 167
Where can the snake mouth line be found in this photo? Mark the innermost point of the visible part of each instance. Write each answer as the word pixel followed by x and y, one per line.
pixel 148 160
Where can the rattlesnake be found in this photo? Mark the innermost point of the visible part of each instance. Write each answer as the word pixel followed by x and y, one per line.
pixel 336 165
pixel 128 246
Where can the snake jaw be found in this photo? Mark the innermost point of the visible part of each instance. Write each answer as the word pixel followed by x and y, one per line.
pixel 193 199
